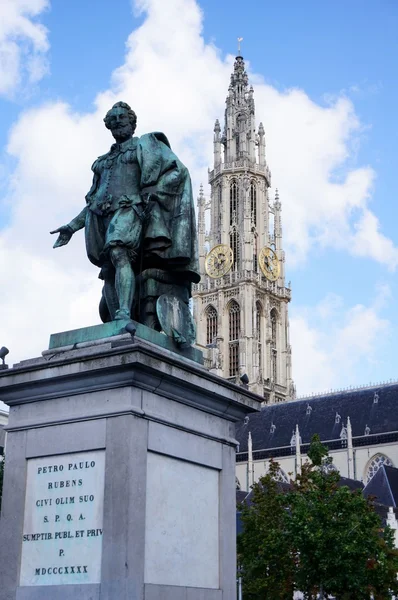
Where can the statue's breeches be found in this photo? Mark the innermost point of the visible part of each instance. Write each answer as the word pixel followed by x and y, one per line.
pixel 122 228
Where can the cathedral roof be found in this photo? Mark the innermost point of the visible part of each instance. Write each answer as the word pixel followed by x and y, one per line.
pixel 372 411
pixel 384 486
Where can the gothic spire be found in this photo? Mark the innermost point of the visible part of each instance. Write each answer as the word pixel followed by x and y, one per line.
pixel 239 137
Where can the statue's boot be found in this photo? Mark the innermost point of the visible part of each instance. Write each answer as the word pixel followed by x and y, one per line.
pixel 122 313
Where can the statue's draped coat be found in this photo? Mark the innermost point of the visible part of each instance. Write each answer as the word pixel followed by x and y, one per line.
pixel 159 220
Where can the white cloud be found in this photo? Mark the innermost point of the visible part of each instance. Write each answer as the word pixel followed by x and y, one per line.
pixel 335 345
pixel 312 369
pixel 54 148
pixel 176 83
pixel 369 242
pixel 23 43
pixel 324 201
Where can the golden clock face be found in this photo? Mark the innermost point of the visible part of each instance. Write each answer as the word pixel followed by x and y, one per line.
pixel 269 264
pixel 219 261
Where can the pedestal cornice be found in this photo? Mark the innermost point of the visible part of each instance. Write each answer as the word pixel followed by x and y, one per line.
pixel 118 364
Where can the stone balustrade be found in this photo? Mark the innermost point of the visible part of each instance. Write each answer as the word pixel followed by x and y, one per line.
pixel 239 164
pixel 237 276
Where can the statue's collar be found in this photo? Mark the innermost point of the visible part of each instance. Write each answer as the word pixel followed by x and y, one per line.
pixel 124 146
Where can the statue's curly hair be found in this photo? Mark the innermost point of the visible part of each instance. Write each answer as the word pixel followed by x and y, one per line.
pixel 131 113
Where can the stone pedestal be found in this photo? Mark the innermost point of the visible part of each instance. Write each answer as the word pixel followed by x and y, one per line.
pixel 120 476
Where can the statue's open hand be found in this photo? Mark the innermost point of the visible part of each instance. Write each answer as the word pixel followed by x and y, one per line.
pixel 65 233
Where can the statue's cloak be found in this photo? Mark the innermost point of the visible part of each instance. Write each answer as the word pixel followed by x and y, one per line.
pixel 153 217
pixel 169 238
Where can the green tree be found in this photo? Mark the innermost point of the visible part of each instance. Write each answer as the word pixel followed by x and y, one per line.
pixel 336 536
pixel 332 537
pixel 264 555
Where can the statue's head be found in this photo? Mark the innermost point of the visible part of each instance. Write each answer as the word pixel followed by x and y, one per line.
pixel 121 120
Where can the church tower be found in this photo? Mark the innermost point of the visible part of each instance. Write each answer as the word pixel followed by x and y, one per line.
pixel 241 304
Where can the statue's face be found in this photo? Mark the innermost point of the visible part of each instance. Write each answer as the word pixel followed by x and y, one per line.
pixel 120 125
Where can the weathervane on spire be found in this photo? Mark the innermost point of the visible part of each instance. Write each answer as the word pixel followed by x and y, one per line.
pixel 240 39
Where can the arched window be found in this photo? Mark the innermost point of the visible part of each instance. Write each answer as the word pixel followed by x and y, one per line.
pixel 274 351
pixel 220 213
pixel 274 320
pixel 374 465
pixel 235 245
pixel 253 202
pixel 234 333
pixel 212 324
pixel 233 202
pixel 255 253
pixel 259 314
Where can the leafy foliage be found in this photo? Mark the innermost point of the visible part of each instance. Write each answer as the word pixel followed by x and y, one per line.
pixel 264 554
pixel 318 537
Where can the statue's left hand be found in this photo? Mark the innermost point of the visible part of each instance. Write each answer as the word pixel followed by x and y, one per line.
pixel 65 234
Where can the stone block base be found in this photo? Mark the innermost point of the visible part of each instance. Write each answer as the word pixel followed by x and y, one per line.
pixel 120 477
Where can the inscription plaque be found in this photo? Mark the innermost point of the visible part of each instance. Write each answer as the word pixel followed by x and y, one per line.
pixel 62 533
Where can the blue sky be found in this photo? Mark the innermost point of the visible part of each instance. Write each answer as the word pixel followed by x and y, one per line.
pixel 326 90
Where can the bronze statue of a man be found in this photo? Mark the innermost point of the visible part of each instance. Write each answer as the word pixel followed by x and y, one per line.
pixel 139 222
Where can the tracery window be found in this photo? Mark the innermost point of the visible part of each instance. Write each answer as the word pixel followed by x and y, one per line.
pixel 233 202
pixel 234 332
pixel 274 352
pixel 377 461
pixel 274 368
pixel 255 254
pixel 274 318
pixel 219 194
pixel 259 314
pixel 212 324
pixel 219 208
pixel 253 202
pixel 235 245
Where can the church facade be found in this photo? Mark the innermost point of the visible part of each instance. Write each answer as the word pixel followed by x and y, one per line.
pixel 359 427
pixel 241 304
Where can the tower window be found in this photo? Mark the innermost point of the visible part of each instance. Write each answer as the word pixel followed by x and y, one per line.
pixel 274 368
pixel 255 253
pixel 233 203
pixel 212 324
pixel 274 353
pixel 235 245
pixel 253 202
pixel 259 314
pixel 274 317
pixel 219 208
pixel 234 321
pixel 234 332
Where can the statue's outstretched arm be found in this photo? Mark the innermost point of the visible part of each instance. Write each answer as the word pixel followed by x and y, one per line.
pixel 79 221
pixel 66 231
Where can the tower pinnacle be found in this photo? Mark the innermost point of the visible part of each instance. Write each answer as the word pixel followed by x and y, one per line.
pixel 277 203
